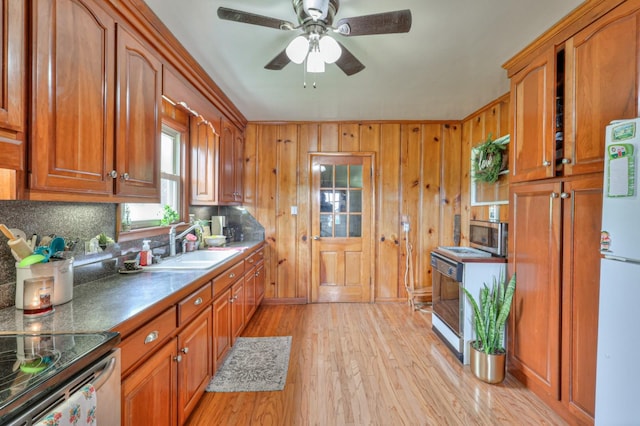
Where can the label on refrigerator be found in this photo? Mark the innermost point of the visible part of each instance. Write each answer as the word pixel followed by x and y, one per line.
pixel 621 168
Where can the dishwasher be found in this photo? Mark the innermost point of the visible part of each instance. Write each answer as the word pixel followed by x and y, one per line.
pixel 41 372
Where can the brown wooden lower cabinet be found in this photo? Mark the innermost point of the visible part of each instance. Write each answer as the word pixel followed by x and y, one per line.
pixel 554 250
pixel 166 387
pixel 150 393
pixel 221 327
pixel 196 366
pixel 237 310
pixel 168 362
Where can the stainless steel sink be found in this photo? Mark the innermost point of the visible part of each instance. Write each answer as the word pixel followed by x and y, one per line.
pixel 202 259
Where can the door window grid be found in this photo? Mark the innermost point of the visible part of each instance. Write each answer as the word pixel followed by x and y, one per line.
pixel 341 201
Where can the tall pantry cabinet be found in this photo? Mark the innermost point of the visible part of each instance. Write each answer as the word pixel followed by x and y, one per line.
pixel 562 99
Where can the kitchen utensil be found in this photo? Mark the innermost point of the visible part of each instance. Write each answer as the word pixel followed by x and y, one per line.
pixel 31 259
pixel 18 245
pixel 56 245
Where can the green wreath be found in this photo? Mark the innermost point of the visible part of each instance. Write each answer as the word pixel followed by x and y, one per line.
pixel 488 161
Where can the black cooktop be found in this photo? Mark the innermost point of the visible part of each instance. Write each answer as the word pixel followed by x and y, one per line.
pixel 32 364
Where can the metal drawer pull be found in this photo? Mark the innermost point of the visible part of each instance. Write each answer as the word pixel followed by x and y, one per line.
pixel 151 337
pixel 184 350
pixel 232 275
pixel 177 358
pixel 198 301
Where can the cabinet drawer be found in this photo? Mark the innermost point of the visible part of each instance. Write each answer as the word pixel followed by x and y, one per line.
pixel 226 278
pixel 147 338
pixel 251 261
pixel 194 303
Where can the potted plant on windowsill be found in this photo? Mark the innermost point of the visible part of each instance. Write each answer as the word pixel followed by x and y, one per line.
pixel 489 319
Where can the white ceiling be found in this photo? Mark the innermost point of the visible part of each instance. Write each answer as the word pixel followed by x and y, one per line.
pixel 446 67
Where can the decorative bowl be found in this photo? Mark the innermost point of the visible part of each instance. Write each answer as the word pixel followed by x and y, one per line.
pixel 215 240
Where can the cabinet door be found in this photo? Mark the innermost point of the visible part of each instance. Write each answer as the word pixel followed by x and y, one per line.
pixel 582 207
pixel 259 283
pixel 139 100
pixel 72 141
pixel 149 394
pixel 196 367
pixel 237 310
pixel 221 327
pixel 534 255
pixel 12 65
pixel 204 162
pixel 227 173
pixel 532 150
pixel 249 294
pixel 238 153
pixel 602 74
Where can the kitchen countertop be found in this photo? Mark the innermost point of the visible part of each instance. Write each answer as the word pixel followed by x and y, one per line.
pixel 105 304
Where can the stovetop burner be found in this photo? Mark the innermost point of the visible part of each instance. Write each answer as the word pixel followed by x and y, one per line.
pixel 33 363
pixel 465 251
pixel 18 368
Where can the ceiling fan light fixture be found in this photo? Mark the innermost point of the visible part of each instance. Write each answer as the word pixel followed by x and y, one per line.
pixel 317 9
pixel 297 50
pixel 330 50
pixel 315 63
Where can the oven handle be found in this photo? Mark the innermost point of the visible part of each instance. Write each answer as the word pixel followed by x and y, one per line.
pixel 106 373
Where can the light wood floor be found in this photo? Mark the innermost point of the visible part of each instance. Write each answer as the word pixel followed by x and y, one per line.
pixel 369 364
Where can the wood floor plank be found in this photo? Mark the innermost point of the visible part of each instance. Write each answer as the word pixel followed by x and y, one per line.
pixel 369 364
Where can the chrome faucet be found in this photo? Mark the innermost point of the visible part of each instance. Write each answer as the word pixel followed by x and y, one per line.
pixel 173 237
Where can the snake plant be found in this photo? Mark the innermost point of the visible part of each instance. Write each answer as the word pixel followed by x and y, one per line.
pixel 490 315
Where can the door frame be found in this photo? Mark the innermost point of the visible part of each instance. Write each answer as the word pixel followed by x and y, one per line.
pixel 373 226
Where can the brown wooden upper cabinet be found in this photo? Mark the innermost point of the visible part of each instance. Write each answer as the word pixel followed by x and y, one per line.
pixel 96 105
pixel 205 147
pixel 12 83
pixel 216 145
pixel 231 164
pixel 564 98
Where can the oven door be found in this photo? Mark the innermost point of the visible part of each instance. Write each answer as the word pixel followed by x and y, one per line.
pixel 447 292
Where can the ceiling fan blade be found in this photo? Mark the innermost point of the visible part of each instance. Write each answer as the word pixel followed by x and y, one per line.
pixel 348 63
pixel 379 23
pixel 279 62
pixel 251 18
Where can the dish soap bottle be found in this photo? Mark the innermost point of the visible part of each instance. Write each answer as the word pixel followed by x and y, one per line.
pixel 145 254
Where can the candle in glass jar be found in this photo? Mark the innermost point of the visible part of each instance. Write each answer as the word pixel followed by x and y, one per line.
pixel 37 295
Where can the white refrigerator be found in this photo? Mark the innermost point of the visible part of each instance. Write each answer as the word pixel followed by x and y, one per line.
pixel 618 356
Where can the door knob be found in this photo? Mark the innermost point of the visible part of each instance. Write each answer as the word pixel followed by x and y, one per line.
pixel 113 174
pixel 546 163
pixel 316 237
pixel 565 195
pixel 554 195
pixel 566 161
pixel 125 176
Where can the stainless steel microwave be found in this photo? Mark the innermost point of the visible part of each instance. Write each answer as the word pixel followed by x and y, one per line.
pixel 489 236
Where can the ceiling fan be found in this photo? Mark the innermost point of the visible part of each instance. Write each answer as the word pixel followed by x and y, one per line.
pixel 315 20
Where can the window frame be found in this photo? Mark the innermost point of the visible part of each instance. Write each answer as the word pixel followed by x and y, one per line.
pixel 178 121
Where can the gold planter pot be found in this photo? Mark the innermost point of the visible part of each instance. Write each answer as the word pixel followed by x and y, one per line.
pixel 488 368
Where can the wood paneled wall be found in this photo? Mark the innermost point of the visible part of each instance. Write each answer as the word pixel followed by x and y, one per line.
pixel 418 173
pixel 422 171
pixel 492 119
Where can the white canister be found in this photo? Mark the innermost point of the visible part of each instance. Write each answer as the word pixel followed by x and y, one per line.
pixel 60 270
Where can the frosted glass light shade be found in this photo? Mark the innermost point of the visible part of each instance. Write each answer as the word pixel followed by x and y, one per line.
pixel 317 9
pixel 297 50
pixel 315 62
pixel 329 49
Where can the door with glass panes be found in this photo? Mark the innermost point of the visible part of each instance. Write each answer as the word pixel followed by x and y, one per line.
pixel 341 220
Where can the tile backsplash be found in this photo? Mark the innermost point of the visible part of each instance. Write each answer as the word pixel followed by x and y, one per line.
pixel 82 221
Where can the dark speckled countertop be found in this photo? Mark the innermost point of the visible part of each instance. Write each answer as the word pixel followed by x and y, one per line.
pixel 106 303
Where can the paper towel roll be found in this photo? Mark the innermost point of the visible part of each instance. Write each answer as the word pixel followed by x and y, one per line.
pixel 217 224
